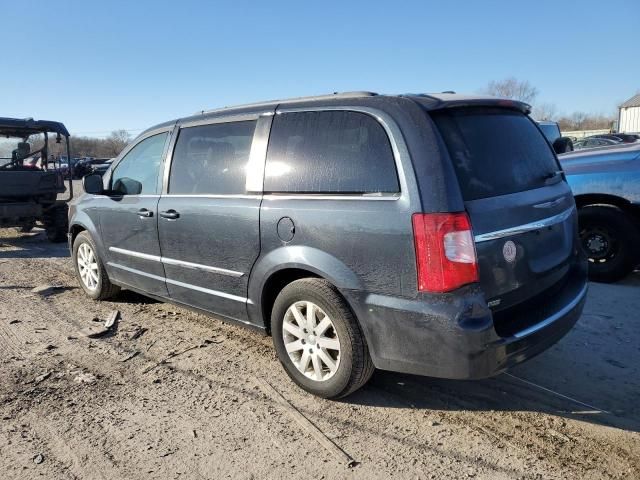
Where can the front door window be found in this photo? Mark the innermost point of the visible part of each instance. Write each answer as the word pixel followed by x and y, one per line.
pixel 137 173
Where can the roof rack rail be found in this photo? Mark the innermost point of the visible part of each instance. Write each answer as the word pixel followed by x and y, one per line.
pixel 354 94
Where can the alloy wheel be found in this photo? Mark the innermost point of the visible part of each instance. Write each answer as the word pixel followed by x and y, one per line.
pixel 311 340
pixel 87 266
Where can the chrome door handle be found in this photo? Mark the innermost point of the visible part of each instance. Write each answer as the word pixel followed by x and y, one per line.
pixel 170 214
pixel 143 212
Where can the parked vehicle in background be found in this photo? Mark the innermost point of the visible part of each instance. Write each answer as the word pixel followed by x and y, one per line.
pixel 84 166
pixel 342 225
pixel 591 142
pixel 620 137
pixel 551 131
pixel 102 167
pixel 606 186
pixel 29 183
pixel 63 168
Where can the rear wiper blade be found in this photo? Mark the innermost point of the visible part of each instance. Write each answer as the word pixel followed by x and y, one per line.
pixel 549 177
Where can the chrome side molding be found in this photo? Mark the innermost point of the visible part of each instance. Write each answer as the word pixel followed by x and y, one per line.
pixel 181 284
pixel 199 266
pixel 131 253
pixel 178 263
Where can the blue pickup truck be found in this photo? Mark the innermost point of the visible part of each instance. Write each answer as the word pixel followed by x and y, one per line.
pixel 606 184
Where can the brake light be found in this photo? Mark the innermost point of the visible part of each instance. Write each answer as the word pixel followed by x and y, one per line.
pixel 445 251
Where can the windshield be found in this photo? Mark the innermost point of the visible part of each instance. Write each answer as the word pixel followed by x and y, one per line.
pixel 16 148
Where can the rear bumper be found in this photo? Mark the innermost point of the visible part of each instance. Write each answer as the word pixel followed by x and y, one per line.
pixel 453 336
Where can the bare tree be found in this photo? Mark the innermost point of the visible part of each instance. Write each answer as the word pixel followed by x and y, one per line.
pixel 116 142
pixel 94 147
pixel 579 119
pixel 513 88
pixel 585 121
pixel 545 111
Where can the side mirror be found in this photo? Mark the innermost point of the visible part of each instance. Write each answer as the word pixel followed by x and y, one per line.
pixel 127 186
pixel 92 184
pixel 563 145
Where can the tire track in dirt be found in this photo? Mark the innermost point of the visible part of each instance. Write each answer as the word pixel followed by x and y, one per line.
pixel 561 442
pixel 91 362
pixel 94 361
pixel 131 424
pixel 10 344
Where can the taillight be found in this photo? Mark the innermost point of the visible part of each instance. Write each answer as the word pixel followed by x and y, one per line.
pixel 445 251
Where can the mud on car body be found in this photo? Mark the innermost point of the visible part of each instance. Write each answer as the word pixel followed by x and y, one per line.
pixel 429 234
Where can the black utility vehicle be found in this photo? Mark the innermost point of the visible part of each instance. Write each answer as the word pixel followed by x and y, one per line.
pixel 30 180
pixel 429 234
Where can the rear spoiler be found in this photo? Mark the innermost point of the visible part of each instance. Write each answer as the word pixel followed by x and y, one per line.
pixel 451 100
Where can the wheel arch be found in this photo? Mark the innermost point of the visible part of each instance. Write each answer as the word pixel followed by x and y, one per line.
pixel 274 285
pixel 287 264
pixel 608 200
pixel 74 230
pixel 82 223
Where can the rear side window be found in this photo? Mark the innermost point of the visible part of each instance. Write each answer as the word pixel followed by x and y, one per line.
pixel 329 152
pixel 211 159
pixel 495 151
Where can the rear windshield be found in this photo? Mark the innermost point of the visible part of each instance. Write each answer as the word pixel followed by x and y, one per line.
pixel 495 151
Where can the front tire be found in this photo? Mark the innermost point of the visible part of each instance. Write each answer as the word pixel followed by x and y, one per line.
pixel 611 241
pixel 90 271
pixel 318 339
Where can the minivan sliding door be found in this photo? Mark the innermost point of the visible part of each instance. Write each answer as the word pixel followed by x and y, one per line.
pixel 207 222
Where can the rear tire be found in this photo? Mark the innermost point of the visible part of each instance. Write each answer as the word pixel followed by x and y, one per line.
pixel 56 223
pixel 611 241
pixel 334 338
pixel 83 254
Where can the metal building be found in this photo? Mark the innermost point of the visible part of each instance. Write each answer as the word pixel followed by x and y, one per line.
pixel 629 115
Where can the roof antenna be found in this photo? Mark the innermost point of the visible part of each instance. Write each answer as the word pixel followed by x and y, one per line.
pixel 449 91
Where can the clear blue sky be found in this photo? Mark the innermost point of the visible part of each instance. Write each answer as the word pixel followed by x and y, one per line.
pixel 104 65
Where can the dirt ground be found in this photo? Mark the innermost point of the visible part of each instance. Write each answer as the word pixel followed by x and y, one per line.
pixel 74 407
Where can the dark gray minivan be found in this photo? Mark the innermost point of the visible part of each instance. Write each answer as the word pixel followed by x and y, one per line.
pixel 428 234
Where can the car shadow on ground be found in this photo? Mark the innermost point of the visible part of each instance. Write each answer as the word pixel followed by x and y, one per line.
pixel 130 297
pixel 35 244
pixel 593 374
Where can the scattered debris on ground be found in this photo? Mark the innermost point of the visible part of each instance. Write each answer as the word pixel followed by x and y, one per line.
pixel 111 320
pixel 76 405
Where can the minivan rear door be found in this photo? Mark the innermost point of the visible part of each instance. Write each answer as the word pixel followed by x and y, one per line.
pixel 521 208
